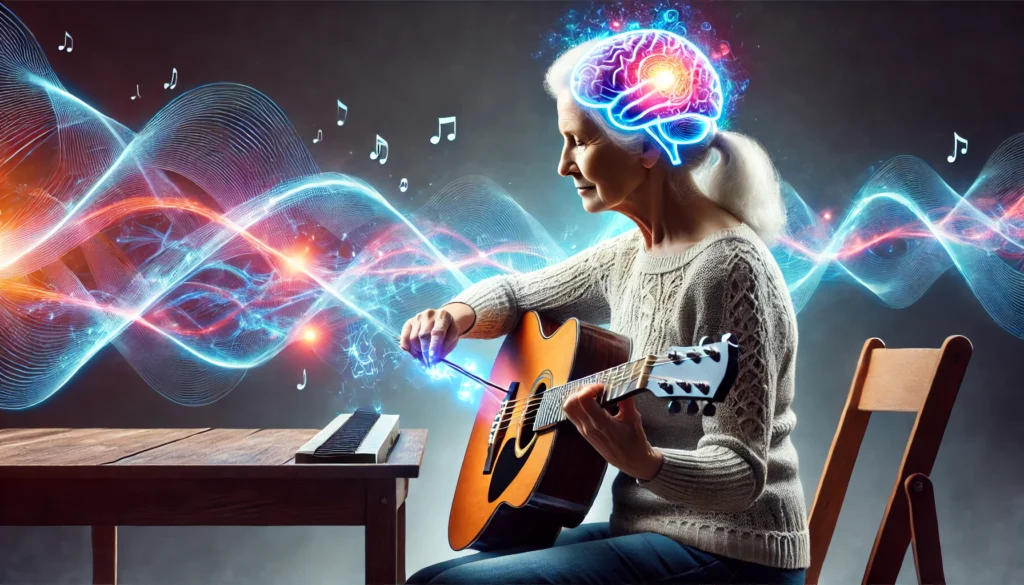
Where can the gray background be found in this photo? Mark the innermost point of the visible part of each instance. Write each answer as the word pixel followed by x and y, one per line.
pixel 835 88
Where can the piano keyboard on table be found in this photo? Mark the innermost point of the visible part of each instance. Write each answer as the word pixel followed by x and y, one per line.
pixel 364 436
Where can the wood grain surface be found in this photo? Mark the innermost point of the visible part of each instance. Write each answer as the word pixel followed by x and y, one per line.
pixel 187 453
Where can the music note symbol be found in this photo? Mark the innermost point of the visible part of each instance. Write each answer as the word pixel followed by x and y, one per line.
pixel 137 95
pixel 68 42
pixel 174 79
pixel 441 122
pixel 319 136
pixel 380 143
pixel 957 137
pixel 404 185
pixel 342 108
pixel 302 386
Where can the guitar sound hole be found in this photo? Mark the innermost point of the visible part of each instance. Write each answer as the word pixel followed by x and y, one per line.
pixel 530 415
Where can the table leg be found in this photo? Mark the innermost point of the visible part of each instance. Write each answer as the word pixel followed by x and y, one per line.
pixel 104 555
pixel 401 543
pixel 381 533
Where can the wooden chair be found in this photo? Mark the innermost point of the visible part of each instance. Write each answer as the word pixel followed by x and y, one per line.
pixel 922 381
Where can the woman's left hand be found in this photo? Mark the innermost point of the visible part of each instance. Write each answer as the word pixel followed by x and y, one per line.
pixel 619 438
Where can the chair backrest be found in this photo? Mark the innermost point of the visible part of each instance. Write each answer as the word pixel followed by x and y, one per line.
pixel 922 381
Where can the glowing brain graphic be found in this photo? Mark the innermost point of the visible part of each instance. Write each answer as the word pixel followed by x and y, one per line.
pixel 655 81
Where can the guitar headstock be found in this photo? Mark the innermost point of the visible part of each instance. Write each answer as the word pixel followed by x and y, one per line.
pixel 703 373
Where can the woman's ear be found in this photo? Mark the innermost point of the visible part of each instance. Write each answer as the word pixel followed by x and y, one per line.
pixel 651 155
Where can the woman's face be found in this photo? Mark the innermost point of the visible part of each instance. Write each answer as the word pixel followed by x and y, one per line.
pixel 605 175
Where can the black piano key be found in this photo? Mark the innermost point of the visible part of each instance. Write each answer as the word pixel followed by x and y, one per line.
pixel 350 435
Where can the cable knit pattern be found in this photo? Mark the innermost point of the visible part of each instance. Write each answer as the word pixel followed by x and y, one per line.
pixel 729 482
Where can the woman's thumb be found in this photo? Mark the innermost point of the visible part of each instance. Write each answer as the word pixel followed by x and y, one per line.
pixel 628 411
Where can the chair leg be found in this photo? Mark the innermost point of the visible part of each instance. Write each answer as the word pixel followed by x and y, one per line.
pixel 924 530
pixel 104 555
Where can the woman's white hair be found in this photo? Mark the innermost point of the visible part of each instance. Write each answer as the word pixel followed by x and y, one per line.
pixel 741 179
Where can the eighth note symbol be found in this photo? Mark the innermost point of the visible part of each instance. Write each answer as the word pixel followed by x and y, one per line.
pixel 441 122
pixel 68 42
pixel 319 136
pixel 137 95
pixel 342 108
pixel 957 137
pixel 302 386
pixel 380 143
pixel 174 79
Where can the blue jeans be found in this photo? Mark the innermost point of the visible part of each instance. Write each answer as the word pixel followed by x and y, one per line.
pixel 589 555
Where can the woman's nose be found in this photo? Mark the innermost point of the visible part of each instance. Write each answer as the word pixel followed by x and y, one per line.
pixel 564 166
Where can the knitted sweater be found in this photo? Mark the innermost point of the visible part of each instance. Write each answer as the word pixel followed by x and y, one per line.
pixel 729 482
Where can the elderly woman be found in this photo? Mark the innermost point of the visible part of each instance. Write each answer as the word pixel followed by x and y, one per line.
pixel 697 499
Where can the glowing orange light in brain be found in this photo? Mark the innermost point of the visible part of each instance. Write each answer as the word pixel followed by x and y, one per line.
pixel 669 75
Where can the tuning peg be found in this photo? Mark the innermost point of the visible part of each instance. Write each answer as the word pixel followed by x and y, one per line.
pixel 704 387
pixel 675 357
pixel 666 387
pixel 692 407
pixel 709 409
pixel 684 386
pixel 703 340
pixel 693 355
pixel 674 407
pixel 713 353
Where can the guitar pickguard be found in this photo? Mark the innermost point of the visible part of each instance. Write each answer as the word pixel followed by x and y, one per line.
pixel 517 449
pixel 506 469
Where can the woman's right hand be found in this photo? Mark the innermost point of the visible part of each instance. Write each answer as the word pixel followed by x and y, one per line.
pixel 431 335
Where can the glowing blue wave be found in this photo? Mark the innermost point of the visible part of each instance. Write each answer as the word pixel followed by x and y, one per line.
pixel 204 244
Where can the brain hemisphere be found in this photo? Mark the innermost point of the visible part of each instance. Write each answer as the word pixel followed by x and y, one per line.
pixel 647 78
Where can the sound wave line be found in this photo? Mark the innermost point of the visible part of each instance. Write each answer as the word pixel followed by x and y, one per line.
pixel 203 245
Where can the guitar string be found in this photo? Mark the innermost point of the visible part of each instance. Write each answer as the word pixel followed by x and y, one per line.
pixel 509 416
pixel 582 381
pixel 530 415
pixel 611 375
pixel 659 361
pixel 486 382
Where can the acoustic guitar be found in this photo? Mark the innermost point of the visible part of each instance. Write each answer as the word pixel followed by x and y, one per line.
pixel 527 471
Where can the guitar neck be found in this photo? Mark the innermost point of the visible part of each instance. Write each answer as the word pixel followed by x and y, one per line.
pixel 619 383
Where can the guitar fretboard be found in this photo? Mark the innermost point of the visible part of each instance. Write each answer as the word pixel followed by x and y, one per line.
pixel 616 384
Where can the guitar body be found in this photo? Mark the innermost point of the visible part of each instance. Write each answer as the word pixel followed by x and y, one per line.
pixel 535 483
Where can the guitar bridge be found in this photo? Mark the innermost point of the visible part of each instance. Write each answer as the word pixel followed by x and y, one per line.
pixel 497 430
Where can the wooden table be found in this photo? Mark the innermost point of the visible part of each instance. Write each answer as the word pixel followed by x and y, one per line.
pixel 107 478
